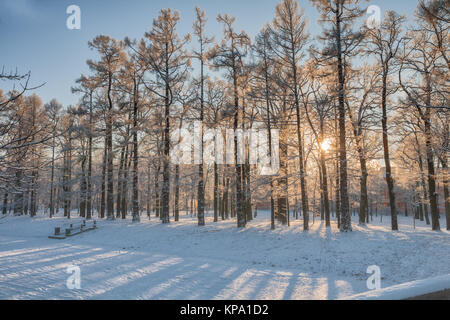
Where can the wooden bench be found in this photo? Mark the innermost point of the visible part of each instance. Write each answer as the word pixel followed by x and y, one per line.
pixel 74 229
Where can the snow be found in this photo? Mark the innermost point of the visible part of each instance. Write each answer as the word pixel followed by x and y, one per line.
pixel 148 260
pixel 407 290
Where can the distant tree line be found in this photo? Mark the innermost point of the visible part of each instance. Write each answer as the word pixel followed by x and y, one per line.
pixel 362 112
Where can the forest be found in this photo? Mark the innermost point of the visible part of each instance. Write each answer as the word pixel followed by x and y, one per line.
pixel 361 113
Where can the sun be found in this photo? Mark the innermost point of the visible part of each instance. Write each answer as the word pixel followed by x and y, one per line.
pixel 325 145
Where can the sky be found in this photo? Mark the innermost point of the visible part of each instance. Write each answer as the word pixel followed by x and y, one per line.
pixel 34 36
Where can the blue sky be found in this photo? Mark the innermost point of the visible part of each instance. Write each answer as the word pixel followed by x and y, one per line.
pixel 34 36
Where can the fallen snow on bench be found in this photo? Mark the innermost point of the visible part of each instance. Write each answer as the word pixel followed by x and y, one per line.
pixel 148 260
pixel 407 290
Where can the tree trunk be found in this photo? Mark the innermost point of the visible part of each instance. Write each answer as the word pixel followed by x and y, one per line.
pixel 149 198
pixel 424 203
pixel 52 178
pixel 324 171
pixel 338 184
pixel 346 222
pixel 157 194
pixel 446 192
pixel 124 191
pixel 301 158
pixel 103 196
pixel 216 193
pixel 177 193
pixel 165 205
pixel 364 205
pixel 120 181
pixel 238 196
pixel 83 189
pixel 201 182
pixel 431 175
pixel 110 156
pixel 89 176
pixel 5 203
pixel 387 161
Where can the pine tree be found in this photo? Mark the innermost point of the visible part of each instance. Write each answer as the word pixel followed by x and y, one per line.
pixel 290 38
pixel 201 55
pixel 167 60
pixel 229 55
pixel 111 58
pixel 341 43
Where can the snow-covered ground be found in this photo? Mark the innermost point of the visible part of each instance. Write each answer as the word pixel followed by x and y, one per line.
pixel 122 260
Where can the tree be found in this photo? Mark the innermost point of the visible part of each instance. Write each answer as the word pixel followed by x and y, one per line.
pixel 229 55
pixel 201 55
pixel 265 76
pixel 419 67
pixel 164 56
pixel 341 44
pixel 437 15
pixel 289 37
pixel 384 44
pixel 53 108
pixel 111 59
pixel 443 132
pixel 133 83
pixel 322 106
pixel 360 110
pixel 87 87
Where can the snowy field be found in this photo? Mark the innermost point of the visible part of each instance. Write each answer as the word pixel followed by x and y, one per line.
pixel 122 260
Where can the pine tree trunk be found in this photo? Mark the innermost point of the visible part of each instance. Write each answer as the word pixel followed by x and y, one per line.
pixel 5 203
pixel 110 156
pixel 201 193
pixel 431 175
pixel 364 203
pixel 326 200
pixel 424 203
pixel 387 161
pixel 26 199
pixel 446 192
pixel 364 206
pixel 324 171
pixel 135 177
pixel 226 200
pixel 165 194
pixel 120 181
pixel 52 178
pixel 201 182
pixel 346 222
pixel 216 193
pixel 83 189
pixel 33 201
pixel 282 181
pixel 157 193
pixel 303 187
pixel 337 184
pixel 89 175
pixel 247 193
pixel 149 198
pixel 238 196
pixel 269 137
pixel 69 178
pixel 124 192
pixel 103 196
pixel 177 193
